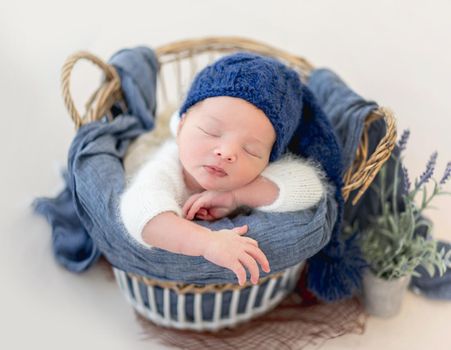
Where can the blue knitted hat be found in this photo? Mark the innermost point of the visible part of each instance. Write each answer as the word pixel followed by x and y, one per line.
pixel 263 81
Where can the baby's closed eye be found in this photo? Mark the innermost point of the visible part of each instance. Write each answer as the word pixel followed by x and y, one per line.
pixel 252 152
pixel 213 133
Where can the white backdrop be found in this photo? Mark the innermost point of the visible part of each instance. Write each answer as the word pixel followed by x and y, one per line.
pixel 396 53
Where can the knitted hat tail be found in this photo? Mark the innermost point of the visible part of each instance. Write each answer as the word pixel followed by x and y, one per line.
pixel 334 272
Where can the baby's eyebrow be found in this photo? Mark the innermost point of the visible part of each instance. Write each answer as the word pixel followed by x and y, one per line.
pixel 257 140
pixel 215 118
pixel 219 121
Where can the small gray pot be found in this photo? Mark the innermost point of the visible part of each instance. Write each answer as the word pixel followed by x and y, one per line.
pixel 383 298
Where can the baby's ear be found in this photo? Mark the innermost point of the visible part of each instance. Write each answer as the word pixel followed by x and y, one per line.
pixel 181 122
pixel 174 123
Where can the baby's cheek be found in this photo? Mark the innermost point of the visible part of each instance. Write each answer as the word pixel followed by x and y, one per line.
pixel 243 176
pixel 251 172
pixel 189 150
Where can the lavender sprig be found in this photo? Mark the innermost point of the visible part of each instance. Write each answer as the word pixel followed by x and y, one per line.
pixel 407 182
pixel 405 250
pixel 446 174
pixel 427 174
pixel 403 140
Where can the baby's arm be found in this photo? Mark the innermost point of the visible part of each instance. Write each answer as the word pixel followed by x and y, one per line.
pixel 300 182
pixel 226 248
pixel 259 192
pixel 212 205
pixel 289 184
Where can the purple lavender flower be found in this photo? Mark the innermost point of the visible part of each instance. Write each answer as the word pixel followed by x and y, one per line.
pixel 446 174
pixel 403 140
pixel 427 174
pixel 407 182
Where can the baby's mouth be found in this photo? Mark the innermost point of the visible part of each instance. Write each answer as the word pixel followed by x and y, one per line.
pixel 214 170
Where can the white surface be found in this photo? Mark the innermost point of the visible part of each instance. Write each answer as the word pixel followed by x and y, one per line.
pixel 397 53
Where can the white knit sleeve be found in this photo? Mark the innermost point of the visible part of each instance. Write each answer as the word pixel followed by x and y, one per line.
pixel 301 184
pixel 156 188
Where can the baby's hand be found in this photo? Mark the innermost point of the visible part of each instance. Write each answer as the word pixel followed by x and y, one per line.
pixel 227 248
pixel 209 205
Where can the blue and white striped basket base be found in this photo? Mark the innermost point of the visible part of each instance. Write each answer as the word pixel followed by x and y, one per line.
pixel 206 311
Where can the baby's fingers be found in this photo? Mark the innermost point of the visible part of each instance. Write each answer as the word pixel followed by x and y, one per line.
pixel 252 266
pixel 200 216
pixel 203 214
pixel 202 211
pixel 258 255
pixel 251 241
pixel 195 207
pixel 241 230
pixel 240 273
pixel 189 203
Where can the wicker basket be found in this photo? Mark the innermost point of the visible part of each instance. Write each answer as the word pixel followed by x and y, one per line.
pixel 212 307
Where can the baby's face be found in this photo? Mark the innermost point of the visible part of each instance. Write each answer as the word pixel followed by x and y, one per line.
pixel 224 143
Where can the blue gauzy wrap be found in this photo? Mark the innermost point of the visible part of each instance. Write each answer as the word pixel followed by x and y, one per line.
pixel 85 217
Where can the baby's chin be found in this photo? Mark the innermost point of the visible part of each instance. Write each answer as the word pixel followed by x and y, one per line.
pixel 215 187
pixel 221 186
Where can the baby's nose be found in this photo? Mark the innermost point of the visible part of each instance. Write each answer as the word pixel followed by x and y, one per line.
pixel 228 156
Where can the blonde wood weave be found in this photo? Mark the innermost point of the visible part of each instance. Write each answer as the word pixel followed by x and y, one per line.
pixel 103 98
pixel 184 288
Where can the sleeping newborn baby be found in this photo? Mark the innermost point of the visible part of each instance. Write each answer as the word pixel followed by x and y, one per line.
pixel 229 151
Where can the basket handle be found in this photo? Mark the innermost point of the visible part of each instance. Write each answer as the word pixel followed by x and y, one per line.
pixel 105 96
pixel 363 171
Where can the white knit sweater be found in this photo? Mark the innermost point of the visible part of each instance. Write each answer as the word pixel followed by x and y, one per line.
pixel 159 187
